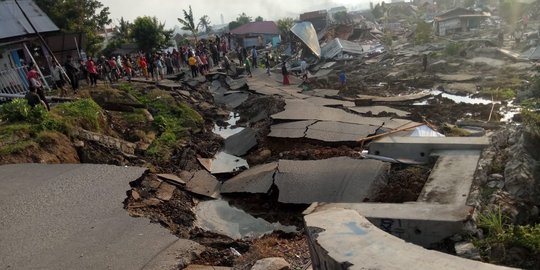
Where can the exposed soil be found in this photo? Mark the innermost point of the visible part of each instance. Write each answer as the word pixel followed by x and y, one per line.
pixel 56 149
pixel 404 184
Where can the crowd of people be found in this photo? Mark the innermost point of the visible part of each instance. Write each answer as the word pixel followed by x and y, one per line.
pixel 198 59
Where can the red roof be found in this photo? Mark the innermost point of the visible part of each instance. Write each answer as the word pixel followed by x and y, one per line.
pixel 256 28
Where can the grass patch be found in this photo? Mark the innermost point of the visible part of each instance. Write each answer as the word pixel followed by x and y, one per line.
pixel 498 232
pixel 17 147
pixel 506 93
pixel 84 113
pixel 172 120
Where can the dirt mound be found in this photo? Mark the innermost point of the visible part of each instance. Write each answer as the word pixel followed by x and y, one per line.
pixel 52 148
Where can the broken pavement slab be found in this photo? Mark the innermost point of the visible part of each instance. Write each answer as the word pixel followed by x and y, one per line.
pixel 303 110
pixel 457 77
pixel 296 129
pixel 203 183
pixel 402 98
pixel 206 267
pixel 323 92
pixel 340 179
pixel 240 143
pixel 339 132
pixel 343 239
pixel 258 179
pixel 171 178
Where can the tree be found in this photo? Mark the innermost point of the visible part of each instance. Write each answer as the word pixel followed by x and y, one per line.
pixel 284 25
pixel 188 23
pixel 150 34
pixel 123 30
pixel 80 16
pixel 240 20
pixel 204 21
pixel 259 19
pixel 423 32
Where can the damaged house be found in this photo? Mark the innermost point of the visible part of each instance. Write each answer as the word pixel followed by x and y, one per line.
pixel 458 20
pixel 19 44
pixel 257 34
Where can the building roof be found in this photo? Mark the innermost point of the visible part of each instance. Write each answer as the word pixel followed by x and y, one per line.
pixel 268 27
pixel 314 15
pixel 14 24
pixel 455 12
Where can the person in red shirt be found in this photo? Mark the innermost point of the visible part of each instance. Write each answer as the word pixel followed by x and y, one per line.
pixel 144 66
pixel 92 71
pixel 35 84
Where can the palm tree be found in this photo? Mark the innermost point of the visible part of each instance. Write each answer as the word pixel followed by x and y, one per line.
pixel 204 21
pixel 122 31
pixel 189 24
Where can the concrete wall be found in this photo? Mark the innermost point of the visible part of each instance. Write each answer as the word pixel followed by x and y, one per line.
pixel 420 148
pixel 121 145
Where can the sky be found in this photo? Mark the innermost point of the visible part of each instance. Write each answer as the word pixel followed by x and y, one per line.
pixel 169 10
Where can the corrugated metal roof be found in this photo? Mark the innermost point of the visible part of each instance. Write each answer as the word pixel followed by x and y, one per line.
pixel 306 32
pixel 14 24
pixel 256 28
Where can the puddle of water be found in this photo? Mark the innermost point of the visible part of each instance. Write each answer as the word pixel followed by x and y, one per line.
pixel 456 99
pixel 509 111
pixel 464 99
pixel 224 163
pixel 230 129
pixel 219 217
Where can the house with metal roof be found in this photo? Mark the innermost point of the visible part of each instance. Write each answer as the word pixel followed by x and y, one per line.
pixel 19 43
pixel 256 34
pixel 458 20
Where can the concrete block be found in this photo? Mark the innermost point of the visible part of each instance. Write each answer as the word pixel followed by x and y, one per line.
pixel 343 239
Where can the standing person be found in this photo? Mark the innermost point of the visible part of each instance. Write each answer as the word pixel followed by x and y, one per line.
pixel 342 78
pixel 92 71
pixel 128 67
pixel 35 84
pixel 424 62
pixel 73 73
pixel 240 56
pixel 82 67
pixel 58 77
pixel 144 66
pixel 114 69
pixel 254 56
pixel 33 98
pixel 285 74
pixel 303 69
pixel 267 63
pixel 247 64
pixel 192 62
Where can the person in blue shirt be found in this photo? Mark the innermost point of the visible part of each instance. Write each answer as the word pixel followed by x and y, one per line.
pixel 342 78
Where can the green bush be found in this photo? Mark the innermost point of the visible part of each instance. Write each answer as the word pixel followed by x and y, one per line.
pixel 85 113
pixel 423 33
pixel 453 49
pixel 15 111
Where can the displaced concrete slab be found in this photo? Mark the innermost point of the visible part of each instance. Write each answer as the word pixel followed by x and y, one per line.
pixel 340 179
pixel 451 178
pixel 457 77
pixel 236 84
pixel 234 100
pixel 339 132
pixel 303 110
pixel 469 88
pixel 420 148
pixel 171 178
pixel 420 223
pixel 376 110
pixel 319 101
pixel 219 217
pixel 171 257
pixel 296 129
pixel 240 143
pixel 323 92
pixel 258 179
pixel 496 63
pixel 343 239
pixel 203 183
pixel 223 163
pixel 396 98
pixel 71 216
